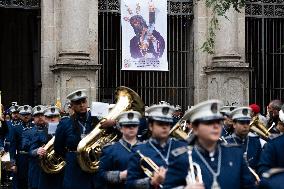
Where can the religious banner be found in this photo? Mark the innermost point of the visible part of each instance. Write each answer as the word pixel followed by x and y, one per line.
pixel 144 35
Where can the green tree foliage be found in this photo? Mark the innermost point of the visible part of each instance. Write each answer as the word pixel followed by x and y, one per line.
pixel 219 8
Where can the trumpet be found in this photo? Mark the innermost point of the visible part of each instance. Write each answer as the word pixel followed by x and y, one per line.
pixel 155 168
pixel 194 173
pixel 151 163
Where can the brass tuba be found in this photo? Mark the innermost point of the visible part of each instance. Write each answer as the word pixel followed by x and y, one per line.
pixel 89 148
pixel 259 128
pixel 51 163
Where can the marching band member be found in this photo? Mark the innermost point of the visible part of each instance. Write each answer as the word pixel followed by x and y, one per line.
pixel 48 181
pixel 272 155
pixel 273 109
pixel 70 131
pixel 35 135
pixel 177 115
pixel 251 144
pixel 19 157
pixel 115 157
pixel 157 148
pixel 256 113
pixel 272 179
pixel 221 166
pixel 228 122
pixel 279 128
pixel 4 132
pixel 14 121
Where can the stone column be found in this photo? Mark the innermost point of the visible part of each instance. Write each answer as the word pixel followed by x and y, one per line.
pixel 76 67
pixel 227 35
pixel 75 30
pixel 48 50
pixel 200 58
pixel 228 74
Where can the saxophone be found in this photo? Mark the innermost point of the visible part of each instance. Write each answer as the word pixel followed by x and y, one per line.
pixel 90 147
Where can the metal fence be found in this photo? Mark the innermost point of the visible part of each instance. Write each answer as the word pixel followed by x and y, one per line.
pixel 265 50
pixel 174 86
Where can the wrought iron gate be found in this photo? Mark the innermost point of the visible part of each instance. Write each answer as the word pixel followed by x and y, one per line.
pixel 265 50
pixel 174 86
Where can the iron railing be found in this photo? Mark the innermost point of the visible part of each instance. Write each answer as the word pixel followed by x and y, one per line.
pixel 174 86
pixel 265 50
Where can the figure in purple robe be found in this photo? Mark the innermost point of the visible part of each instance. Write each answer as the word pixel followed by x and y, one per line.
pixel 147 42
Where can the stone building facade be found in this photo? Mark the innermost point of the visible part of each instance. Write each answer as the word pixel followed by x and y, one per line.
pixel 69 53
pixel 69 47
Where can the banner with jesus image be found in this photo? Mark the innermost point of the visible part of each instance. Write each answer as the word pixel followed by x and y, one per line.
pixel 144 35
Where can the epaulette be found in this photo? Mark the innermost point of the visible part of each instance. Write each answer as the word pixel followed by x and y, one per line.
pixel 272 172
pixel 174 139
pixel 64 117
pixel 144 142
pixel 273 136
pixel 138 143
pixel 253 135
pixel 230 145
pixel 228 137
pixel 108 144
pixel 178 151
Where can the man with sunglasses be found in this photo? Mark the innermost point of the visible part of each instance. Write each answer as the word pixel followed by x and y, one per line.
pixel 115 157
pixel 250 143
pixel 221 165
pixel 157 148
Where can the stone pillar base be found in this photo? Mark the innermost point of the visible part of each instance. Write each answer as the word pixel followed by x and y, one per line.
pixel 228 80
pixel 74 58
pixel 73 74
